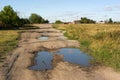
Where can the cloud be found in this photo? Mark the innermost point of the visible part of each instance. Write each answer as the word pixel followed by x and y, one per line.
pixel 108 8
pixel 69 13
pixel 117 7
pixel 112 8
pixel 70 16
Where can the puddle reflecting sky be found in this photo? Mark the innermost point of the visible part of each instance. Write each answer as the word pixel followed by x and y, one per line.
pixel 75 56
pixel 43 38
pixel 44 58
pixel 43 61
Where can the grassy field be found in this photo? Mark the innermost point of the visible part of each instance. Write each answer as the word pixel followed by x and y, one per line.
pixel 8 41
pixel 102 41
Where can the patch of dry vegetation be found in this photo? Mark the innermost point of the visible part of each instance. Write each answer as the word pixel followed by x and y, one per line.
pixel 8 41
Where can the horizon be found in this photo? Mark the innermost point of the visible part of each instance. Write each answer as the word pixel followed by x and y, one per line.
pixel 67 10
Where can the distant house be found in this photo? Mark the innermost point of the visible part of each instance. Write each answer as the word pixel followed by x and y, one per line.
pixel 67 22
pixel 101 22
pixel 76 22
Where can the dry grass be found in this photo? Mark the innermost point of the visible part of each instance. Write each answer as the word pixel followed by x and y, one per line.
pixel 8 41
pixel 102 41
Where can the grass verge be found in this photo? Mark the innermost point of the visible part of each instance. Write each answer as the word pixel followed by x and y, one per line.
pixel 102 41
pixel 8 41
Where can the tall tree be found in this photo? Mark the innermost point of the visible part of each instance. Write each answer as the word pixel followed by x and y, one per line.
pixel 35 18
pixel 9 17
pixel 110 20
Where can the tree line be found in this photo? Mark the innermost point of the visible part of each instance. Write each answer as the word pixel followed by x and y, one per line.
pixel 82 21
pixel 10 19
pixel 85 20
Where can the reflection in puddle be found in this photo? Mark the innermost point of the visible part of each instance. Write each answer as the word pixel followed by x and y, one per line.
pixel 43 61
pixel 75 56
pixel 43 38
pixel 72 55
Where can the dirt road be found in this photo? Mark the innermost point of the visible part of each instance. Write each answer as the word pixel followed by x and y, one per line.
pixel 16 67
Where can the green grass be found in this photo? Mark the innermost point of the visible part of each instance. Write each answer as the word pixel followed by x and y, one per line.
pixel 8 41
pixel 102 41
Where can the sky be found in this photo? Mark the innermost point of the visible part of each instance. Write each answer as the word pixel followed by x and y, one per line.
pixel 66 10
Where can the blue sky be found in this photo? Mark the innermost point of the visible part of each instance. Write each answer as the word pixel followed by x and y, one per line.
pixel 67 10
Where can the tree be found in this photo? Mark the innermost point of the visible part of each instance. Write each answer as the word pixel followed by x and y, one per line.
pixel 35 18
pixel 110 20
pixel 1 24
pixel 24 21
pixel 9 17
pixel 46 21
pixel 58 22
pixel 86 20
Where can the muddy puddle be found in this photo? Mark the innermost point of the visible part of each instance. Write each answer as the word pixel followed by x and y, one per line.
pixel 43 60
pixel 75 56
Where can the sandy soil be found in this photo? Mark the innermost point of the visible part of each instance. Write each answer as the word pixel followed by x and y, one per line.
pixel 16 66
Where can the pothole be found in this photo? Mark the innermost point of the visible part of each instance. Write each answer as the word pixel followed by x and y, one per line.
pixel 75 56
pixel 43 60
pixel 43 38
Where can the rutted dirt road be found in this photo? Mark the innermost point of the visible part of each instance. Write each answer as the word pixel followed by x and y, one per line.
pixel 18 61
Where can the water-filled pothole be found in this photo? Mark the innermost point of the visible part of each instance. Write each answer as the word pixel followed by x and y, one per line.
pixel 43 38
pixel 43 61
pixel 71 55
pixel 75 56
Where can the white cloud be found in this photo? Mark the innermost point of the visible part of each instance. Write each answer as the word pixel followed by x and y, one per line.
pixel 117 7
pixel 108 8
pixel 112 8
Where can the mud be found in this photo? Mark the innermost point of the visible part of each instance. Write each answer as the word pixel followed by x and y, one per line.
pixel 16 65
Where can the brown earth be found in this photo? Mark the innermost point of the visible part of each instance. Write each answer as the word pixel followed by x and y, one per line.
pixel 16 66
